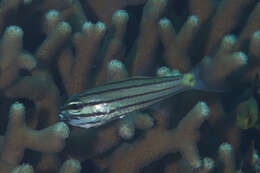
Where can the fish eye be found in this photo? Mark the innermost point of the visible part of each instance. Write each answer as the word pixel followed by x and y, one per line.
pixel 73 106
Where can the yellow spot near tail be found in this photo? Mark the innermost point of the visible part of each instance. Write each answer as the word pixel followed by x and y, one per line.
pixel 189 79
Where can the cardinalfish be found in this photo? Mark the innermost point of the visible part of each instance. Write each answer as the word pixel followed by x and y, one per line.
pixel 114 100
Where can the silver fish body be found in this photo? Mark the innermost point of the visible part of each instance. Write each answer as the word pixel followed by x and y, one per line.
pixel 114 100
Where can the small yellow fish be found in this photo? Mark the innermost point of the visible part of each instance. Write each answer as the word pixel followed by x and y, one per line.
pixel 247 114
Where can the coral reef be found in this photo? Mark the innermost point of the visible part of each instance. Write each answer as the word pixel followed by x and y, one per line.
pixel 52 49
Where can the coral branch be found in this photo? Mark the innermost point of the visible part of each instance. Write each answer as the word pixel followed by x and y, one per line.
pixel 19 137
pixel 183 139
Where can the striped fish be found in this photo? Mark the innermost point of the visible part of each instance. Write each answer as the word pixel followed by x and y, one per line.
pixel 114 100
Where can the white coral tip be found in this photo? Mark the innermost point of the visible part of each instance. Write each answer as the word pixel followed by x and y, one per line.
pixel 225 149
pixel 204 109
pixel 208 163
pixel 62 130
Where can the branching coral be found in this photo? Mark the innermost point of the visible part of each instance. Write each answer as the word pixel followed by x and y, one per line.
pixel 141 153
pixel 216 40
pixel 19 137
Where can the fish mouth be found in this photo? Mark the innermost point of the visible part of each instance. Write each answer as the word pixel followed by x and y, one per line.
pixel 63 116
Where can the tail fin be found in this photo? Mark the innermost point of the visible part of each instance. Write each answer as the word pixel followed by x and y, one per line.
pixel 202 84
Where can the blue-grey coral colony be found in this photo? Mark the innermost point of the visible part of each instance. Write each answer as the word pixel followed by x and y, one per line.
pixel 56 64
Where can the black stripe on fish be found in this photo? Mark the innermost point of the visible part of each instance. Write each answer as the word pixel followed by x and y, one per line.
pixel 105 90
pixel 127 97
